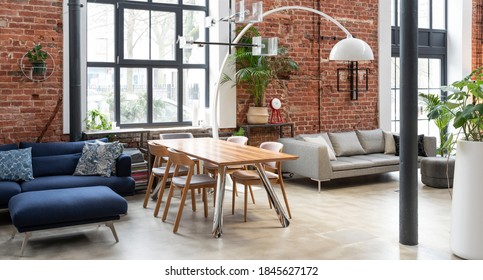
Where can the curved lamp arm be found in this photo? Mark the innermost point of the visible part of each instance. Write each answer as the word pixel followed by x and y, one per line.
pixel 244 30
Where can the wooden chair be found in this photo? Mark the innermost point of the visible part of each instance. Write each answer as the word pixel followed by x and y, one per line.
pixel 158 171
pixel 181 135
pixel 251 177
pixel 190 182
pixel 211 168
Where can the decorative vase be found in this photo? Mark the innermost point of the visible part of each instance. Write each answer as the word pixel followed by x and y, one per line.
pixel 467 204
pixel 39 67
pixel 257 115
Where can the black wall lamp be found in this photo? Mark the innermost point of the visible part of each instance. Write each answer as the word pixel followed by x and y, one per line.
pixel 351 78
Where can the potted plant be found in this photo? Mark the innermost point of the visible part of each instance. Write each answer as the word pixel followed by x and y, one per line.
pixel 464 102
pixel 37 58
pixel 257 72
pixel 440 115
pixel 95 120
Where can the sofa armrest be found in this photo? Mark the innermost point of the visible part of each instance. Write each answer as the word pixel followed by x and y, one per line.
pixel 313 161
pixel 123 166
pixel 430 145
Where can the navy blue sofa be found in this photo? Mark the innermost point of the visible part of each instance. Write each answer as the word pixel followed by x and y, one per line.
pixel 53 165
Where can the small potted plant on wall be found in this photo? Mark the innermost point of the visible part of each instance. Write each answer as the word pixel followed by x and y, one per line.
pixel 256 72
pixel 465 104
pixel 37 58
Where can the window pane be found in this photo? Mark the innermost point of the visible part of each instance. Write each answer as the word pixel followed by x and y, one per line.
pixel 393 12
pixel 439 14
pixel 136 34
pixel 195 2
pixel 133 95
pixel 100 32
pixel 193 28
pixel 166 1
pixel 423 14
pixel 434 73
pixel 165 95
pixel 193 91
pixel 423 75
pixel 397 72
pixel 163 41
pixel 100 91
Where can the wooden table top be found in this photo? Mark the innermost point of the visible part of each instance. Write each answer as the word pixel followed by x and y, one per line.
pixel 222 152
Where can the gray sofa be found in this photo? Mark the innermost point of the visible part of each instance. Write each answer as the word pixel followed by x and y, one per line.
pixel 325 156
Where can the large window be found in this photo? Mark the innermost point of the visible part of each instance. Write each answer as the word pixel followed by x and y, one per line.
pixel 136 74
pixel 431 61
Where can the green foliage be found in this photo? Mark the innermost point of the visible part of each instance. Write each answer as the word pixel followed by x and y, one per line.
pixel 95 120
pixel 36 54
pixel 440 115
pixel 240 132
pixel 258 71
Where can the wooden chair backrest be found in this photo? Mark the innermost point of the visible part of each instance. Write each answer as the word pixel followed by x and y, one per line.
pixel 159 152
pixel 179 160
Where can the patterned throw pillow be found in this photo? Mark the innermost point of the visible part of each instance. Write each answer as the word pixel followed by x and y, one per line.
pixel 98 158
pixel 16 165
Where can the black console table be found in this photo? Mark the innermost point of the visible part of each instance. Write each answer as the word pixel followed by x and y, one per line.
pixel 278 126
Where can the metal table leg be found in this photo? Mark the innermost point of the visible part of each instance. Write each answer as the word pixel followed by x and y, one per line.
pixel 282 216
pixel 220 195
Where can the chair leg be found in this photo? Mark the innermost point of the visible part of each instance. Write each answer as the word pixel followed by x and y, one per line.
pixel 193 199
pixel 148 190
pixel 205 203
pixel 168 202
pixel 245 203
pixel 160 196
pixel 180 210
pixel 251 193
pixel 233 191
pixel 282 186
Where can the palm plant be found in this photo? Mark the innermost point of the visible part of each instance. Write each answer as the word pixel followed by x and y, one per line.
pixel 440 115
pixel 258 71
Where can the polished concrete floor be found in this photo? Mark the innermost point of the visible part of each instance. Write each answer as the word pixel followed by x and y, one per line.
pixel 351 219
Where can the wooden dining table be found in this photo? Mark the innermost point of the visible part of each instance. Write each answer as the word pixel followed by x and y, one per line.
pixel 223 154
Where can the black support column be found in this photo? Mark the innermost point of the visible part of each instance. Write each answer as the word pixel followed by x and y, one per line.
pixel 74 71
pixel 408 176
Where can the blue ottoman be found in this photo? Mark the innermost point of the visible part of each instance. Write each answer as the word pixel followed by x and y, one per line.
pixel 47 209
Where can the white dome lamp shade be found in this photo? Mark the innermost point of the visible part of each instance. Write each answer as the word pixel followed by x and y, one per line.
pixel 351 49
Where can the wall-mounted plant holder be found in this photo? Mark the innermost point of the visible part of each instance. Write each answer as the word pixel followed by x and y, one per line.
pixel 37 71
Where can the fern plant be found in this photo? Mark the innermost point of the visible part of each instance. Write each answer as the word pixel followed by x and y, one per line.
pixel 95 120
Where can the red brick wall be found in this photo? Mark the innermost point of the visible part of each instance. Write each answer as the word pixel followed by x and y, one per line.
pixel 26 106
pixel 477 34
pixel 298 30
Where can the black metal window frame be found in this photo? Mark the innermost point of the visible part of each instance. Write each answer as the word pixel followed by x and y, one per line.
pixel 149 65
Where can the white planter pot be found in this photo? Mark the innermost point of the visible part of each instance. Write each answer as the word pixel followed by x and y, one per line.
pixel 467 207
pixel 257 115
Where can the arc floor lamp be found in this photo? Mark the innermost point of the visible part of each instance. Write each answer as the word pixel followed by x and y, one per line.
pixel 349 49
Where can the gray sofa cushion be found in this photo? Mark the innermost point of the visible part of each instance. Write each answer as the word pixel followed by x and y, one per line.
pixel 371 140
pixel 346 144
pixel 389 144
pixel 323 134
pixel 348 163
pixel 379 159
pixel 319 140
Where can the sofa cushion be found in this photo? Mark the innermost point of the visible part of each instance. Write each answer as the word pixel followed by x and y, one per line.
pixel 55 165
pixel 389 144
pixel 7 190
pixel 319 140
pixel 56 148
pixel 8 147
pixel 379 159
pixel 16 165
pixel 421 151
pixel 372 141
pixel 324 135
pixel 346 144
pixel 348 163
pixel 121 185
pixel 98 158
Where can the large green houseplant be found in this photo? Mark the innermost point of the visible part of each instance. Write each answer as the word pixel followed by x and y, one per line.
pixel 464 103
pixel 257 72
pixel 440 115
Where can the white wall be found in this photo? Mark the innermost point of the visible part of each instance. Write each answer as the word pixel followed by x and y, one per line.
pixel 459 39
pixel 384 69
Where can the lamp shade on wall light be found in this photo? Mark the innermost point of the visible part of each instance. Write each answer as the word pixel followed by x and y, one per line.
pixel 351 49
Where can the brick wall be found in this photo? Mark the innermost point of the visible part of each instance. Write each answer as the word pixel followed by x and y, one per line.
pixel 25 105
pixel 477 34
pixel 310 98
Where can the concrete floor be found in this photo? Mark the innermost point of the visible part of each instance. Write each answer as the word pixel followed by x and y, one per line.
pixel 351 219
